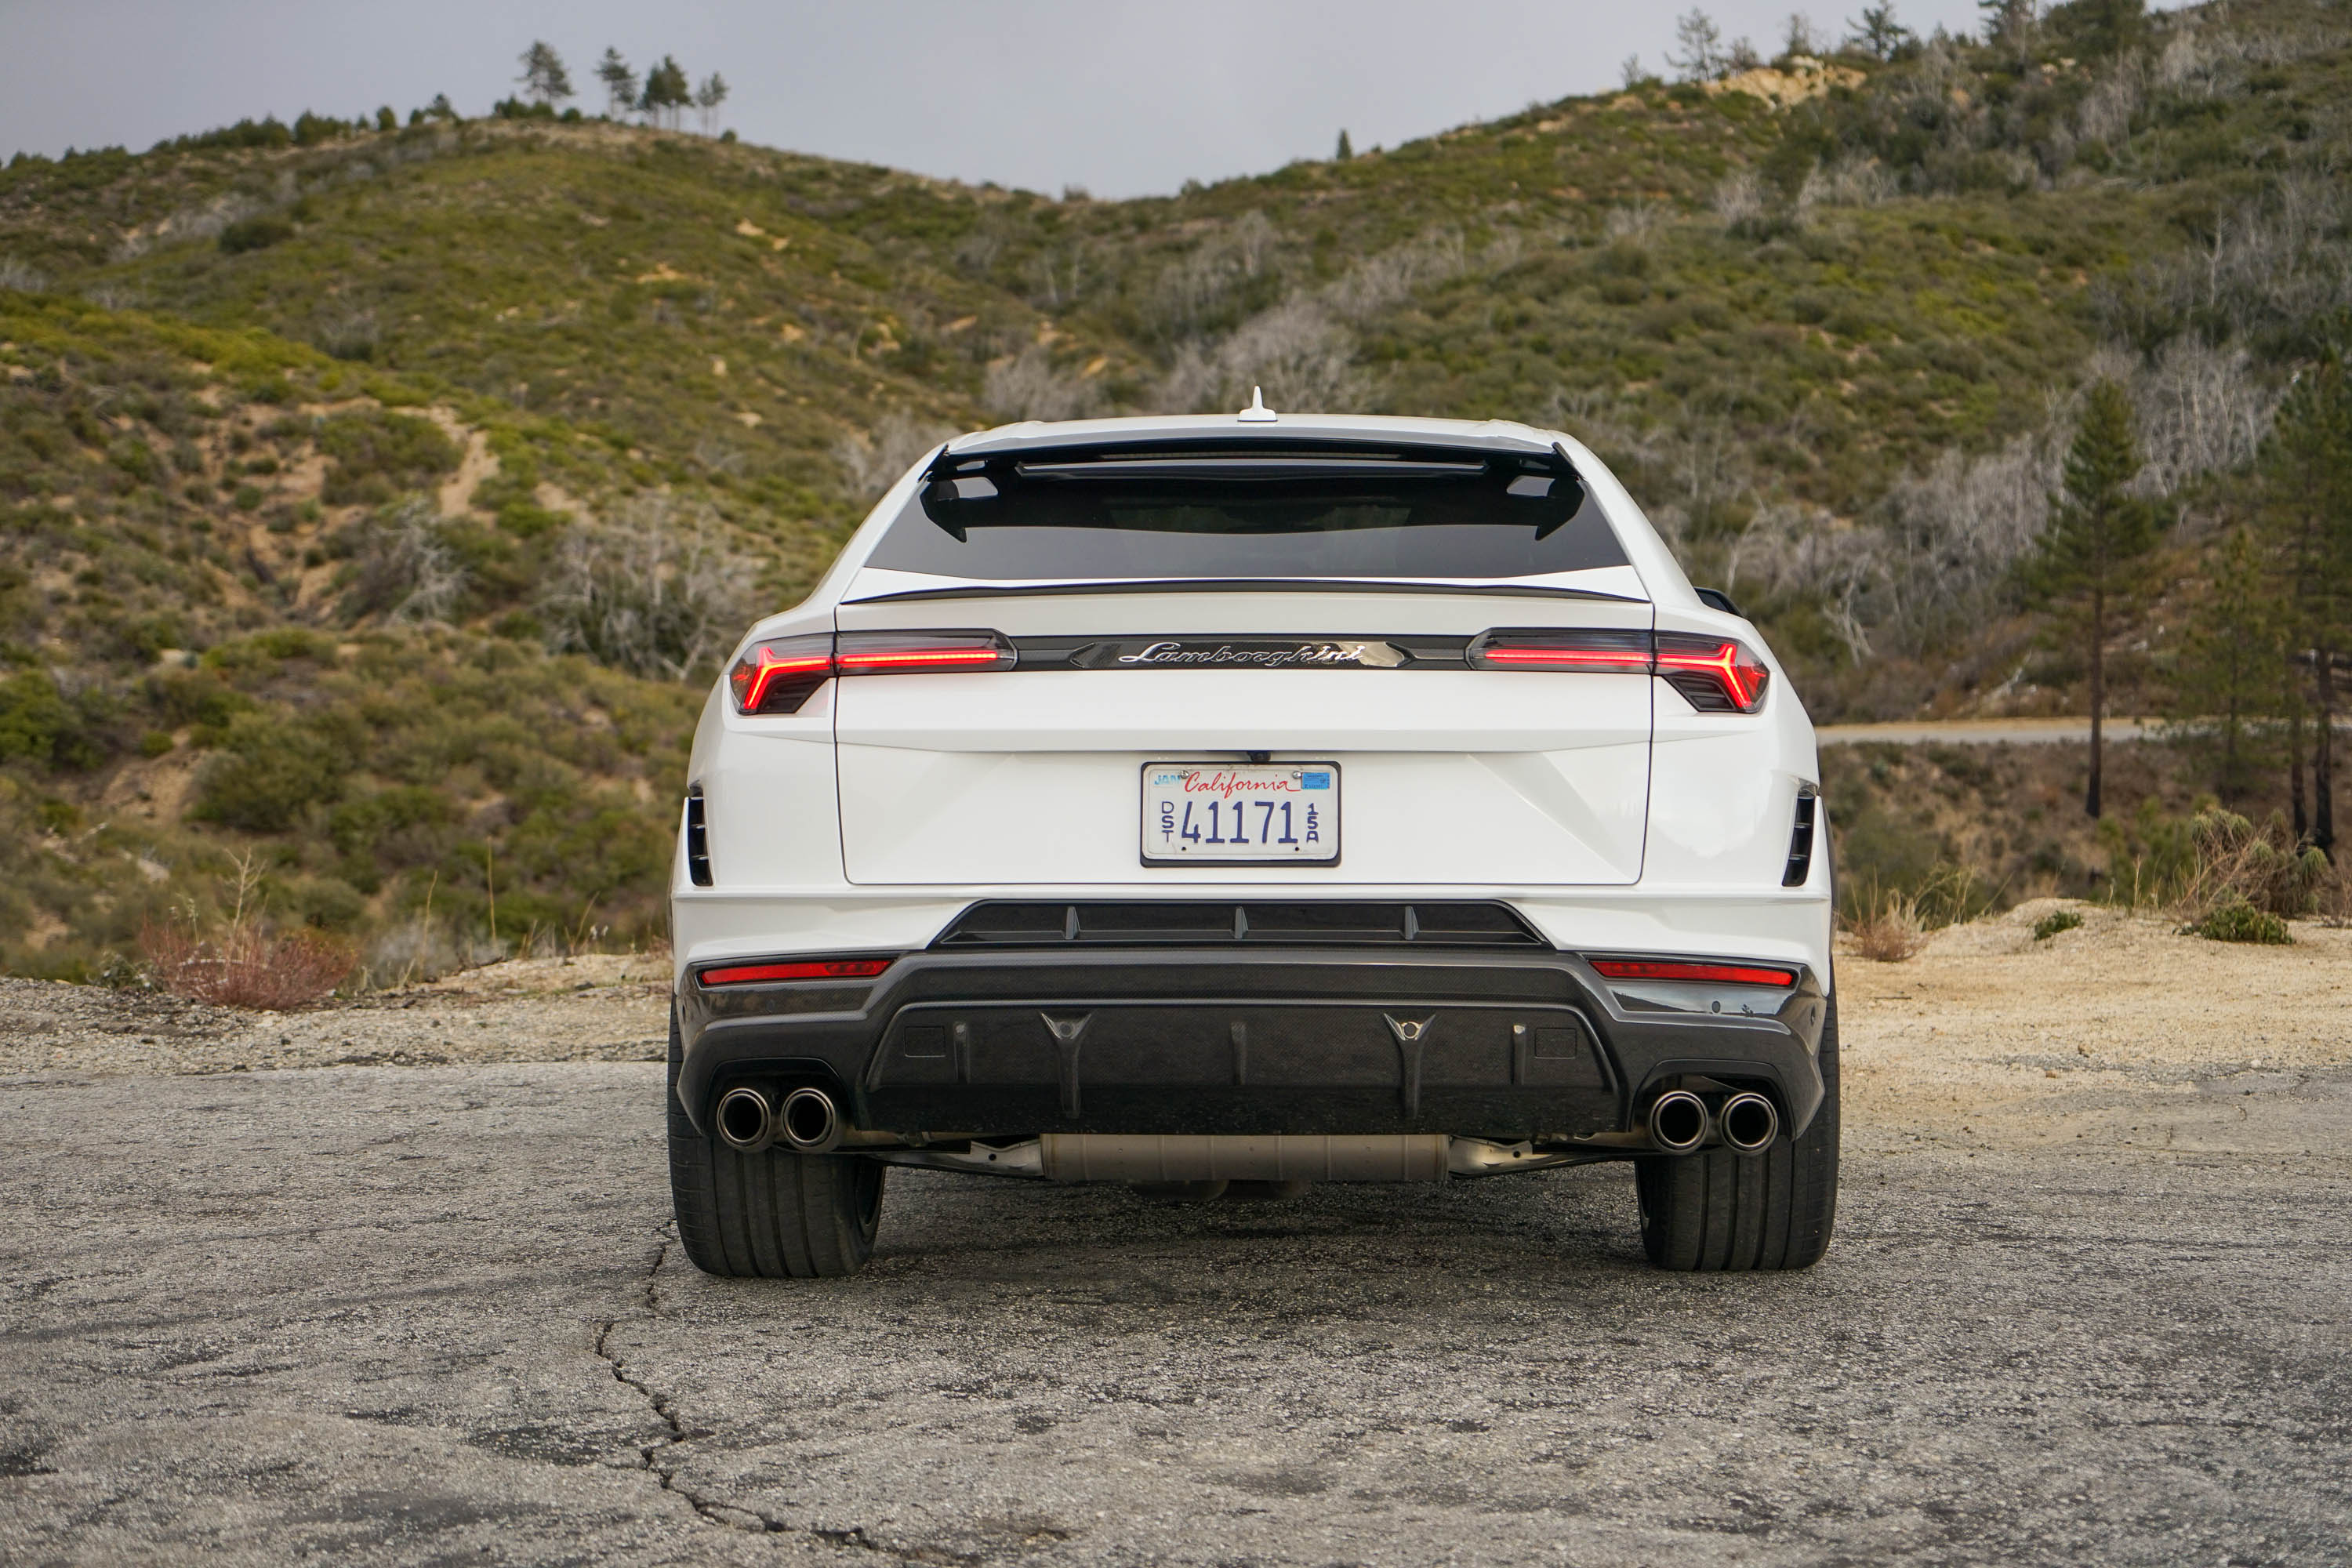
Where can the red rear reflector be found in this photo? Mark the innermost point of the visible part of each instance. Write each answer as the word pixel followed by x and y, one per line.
pixel 1711 973
pixel 813 969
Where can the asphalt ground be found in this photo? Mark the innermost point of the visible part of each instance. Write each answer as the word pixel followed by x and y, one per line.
pixel 437 1315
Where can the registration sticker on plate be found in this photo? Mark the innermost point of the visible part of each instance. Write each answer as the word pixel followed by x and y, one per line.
pixel 1265 814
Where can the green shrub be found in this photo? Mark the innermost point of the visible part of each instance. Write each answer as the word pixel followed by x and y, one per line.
pixel 2051 925
pixel 329 903
pixel 374 456
pixel 267 772
pixel 2241 922
pixel 154 743
pixel 36 724
pixel 254 233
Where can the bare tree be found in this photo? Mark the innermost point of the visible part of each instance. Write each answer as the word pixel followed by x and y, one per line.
pixel 655 593
pixel 1740 198
pixel 1303 360
pixel 405 570
pixel 1030 387
pixel 871 462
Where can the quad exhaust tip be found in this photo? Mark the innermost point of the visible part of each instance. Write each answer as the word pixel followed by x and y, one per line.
pixel 1750 1123
pixel 747 1123
pixel 1679 1121
pixel 809 1122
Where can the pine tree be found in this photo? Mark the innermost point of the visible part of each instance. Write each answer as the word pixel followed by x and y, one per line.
pixel 2007 22
pixel 707 99
pixel 2091 560
pixel 620 83
pixel 2307 470
pixel 2231 668
pixel 1346 150
pixel 1879 35
pixel 1701 43
pixel 667 94
pixel 544 77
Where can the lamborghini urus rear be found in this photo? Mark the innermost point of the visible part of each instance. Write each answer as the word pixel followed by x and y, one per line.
pixel 1187 801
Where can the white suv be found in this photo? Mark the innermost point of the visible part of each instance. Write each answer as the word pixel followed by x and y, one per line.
pixel 1190 800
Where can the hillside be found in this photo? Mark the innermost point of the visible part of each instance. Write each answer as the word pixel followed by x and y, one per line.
pixel 375 501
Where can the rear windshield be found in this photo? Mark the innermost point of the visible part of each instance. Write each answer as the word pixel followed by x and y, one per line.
pixel 1193 512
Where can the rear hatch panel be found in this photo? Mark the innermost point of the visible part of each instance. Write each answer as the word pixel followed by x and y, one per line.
pixel 1449 774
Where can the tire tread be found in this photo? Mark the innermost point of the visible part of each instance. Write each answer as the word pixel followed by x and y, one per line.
pixel 770 1215
pixel 1721 1211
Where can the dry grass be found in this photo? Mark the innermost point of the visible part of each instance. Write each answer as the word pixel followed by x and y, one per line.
pixel 245 967
pixel 1889 929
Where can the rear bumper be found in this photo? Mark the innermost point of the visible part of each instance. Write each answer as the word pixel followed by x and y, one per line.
pixel 1503 1044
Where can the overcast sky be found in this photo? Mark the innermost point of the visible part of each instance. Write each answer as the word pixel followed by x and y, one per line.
pixel 1124 99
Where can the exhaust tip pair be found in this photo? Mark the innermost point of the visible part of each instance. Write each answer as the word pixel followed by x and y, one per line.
pixel 1682 1123
pixel 807 1121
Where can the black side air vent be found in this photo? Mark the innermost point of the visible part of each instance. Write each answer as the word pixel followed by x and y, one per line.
pixel 698 840
pixel 1801 840
pixel 1195 924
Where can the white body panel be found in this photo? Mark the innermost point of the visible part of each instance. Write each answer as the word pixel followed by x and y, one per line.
pixel 1602 807
pixel 1450 776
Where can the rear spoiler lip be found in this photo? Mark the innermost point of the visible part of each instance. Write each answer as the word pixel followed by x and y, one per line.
pixel 1242 585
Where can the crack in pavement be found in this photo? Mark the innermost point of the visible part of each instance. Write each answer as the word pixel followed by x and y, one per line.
pixel 730 1516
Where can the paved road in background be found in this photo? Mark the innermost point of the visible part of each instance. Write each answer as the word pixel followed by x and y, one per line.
pixel 1994 732
pixel 437 1315
pixel 1986 732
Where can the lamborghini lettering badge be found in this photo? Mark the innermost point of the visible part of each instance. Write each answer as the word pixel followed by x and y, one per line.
pixel 1250 653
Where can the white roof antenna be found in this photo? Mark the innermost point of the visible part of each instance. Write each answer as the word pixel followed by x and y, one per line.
pixel 1257 413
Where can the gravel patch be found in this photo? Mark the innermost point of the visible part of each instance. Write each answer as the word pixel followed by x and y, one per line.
pixel 600 1007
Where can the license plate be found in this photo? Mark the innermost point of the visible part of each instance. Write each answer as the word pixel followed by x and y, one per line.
pixel 1263 814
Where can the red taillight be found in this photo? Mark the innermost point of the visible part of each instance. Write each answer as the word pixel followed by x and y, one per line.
pixel 1704 973
pixel 779 676
pixel 918 653
pixel 1716 675
pixel 1597 652
pixel 809 969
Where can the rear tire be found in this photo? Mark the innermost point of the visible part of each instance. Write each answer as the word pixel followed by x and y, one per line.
pixel 770 1215
pixel 1718 1211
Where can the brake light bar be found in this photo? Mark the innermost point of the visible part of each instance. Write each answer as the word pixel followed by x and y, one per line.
pixel 1689 971
pixel 778 676
pixel 1715 675
pixel 806 969
pixel 915 653
pixel 1601 652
